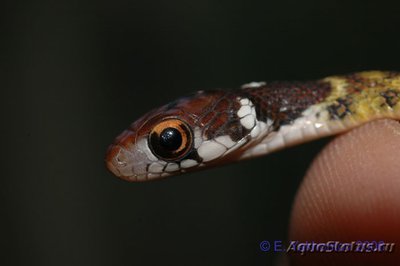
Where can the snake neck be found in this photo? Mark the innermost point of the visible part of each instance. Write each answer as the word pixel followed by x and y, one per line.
pixel 303 111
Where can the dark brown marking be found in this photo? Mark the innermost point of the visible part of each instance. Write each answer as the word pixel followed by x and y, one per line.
pixel 283 102
pixel 340 108
pixel 194 156
pixel 391 97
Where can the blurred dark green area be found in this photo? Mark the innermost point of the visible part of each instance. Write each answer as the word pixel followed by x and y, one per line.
pixel 74 74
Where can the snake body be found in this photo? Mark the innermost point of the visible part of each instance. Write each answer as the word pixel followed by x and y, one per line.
pixel 214 127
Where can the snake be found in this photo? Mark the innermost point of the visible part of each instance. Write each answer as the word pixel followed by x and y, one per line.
pixel 215 127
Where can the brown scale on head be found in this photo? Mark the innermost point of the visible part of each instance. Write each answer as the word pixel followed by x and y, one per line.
pixel 222 119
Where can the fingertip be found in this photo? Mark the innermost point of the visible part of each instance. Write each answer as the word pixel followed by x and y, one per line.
pixel 352 193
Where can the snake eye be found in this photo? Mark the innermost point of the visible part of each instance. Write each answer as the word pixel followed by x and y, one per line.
pixel 171 139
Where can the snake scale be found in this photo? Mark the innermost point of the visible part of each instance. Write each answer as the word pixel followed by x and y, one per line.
pixel 210 128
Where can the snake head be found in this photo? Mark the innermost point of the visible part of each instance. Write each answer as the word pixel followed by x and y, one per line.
pixel 190 133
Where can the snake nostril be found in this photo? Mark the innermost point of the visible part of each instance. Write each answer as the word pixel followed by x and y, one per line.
pixel 114 160
pixel 120 161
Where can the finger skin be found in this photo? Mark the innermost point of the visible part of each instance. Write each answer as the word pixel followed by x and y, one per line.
pixel 352 192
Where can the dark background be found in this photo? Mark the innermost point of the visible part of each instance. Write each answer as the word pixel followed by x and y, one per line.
pixel 74 74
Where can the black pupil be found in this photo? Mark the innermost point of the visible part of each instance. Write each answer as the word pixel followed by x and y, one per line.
pixel 170 139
